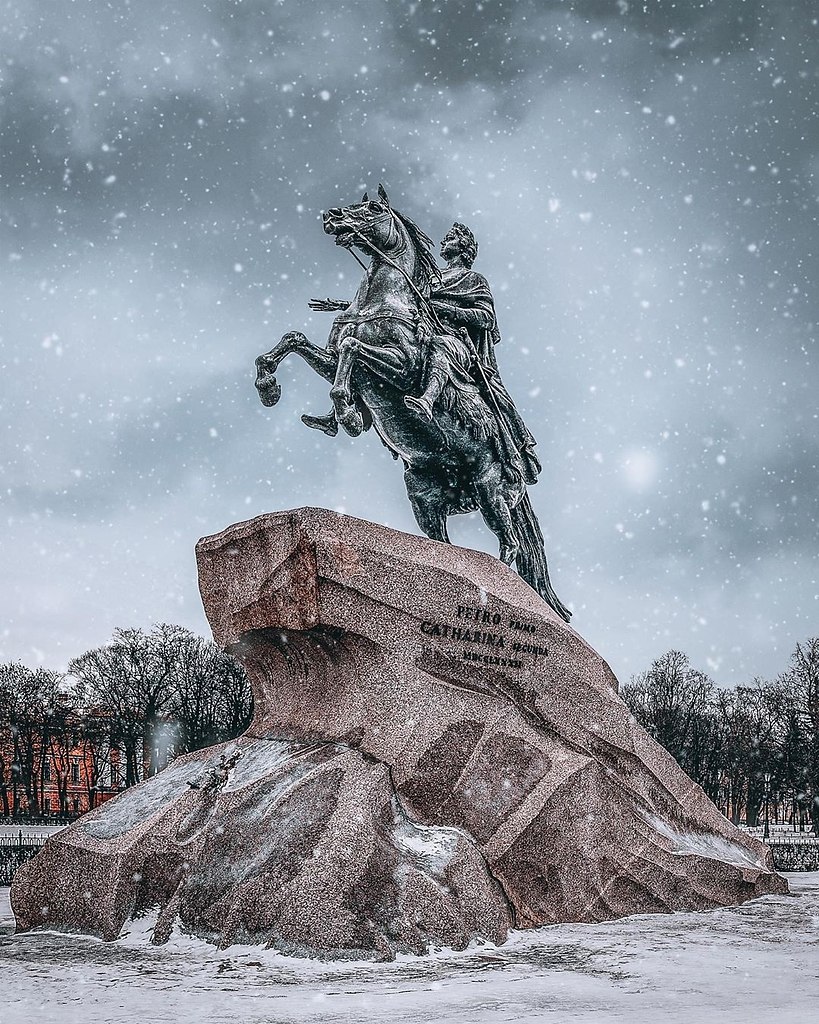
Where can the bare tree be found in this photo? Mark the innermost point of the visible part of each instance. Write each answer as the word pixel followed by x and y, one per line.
pixel 211 699
pixel 793 760
pixel 730 740
pixel 27 701
pixel 96 742
pixel 730 715
pixel 760 719
pixel 131 678
pixel 28 698
pixel 802 679
pixel 59 739
pixel 674 703
pixel 236 695
pixel 165 691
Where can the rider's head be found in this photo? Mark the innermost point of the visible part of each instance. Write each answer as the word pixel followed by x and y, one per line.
pixel 461 234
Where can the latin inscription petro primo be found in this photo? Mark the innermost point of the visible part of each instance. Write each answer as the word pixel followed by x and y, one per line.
pixel 481 628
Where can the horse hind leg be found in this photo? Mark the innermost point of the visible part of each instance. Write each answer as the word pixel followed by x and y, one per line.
pixel 496 511
pixel 346 411
pixel 428 504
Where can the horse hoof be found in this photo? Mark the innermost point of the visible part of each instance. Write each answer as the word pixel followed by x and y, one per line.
pixel 508 554
pixel 352 421
pixel 327 424
pixel 270 391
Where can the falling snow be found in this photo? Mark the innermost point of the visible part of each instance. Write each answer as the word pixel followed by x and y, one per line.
pixel 641 180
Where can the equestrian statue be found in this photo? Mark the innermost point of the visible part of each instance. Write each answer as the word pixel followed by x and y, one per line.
pixel 412 356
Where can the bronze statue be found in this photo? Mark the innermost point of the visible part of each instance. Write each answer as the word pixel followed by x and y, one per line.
pixel 413 356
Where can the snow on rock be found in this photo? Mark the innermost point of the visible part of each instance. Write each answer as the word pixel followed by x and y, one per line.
pixel 303 847
pixel 140 803
pixel 435 846
pixel 693 844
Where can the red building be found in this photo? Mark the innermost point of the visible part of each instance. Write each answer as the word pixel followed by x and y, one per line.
pixel 63 765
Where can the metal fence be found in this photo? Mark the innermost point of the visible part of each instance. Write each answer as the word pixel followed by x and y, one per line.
pixel 792 851
pixel 795 853
pixel 797 839
pixel 38 819
pixel 15 851
pixel 23 839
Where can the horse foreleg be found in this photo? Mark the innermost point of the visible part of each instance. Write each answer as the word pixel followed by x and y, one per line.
pixel 319 359
pixel 294 342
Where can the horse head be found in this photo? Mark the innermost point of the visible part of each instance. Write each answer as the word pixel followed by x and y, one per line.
pixel 369 225
pixel 379 230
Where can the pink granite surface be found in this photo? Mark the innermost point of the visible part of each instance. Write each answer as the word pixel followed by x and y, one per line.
pixel 435 757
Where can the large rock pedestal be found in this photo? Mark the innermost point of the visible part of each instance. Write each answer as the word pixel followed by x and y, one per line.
pixel 435 756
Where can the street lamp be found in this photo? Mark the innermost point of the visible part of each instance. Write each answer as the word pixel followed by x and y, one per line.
pixel 767 832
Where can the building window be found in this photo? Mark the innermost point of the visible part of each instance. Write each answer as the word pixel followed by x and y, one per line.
pixel 75 771
pixel 76 805
pixel 47 804
pixel 47 772
pixel 114 776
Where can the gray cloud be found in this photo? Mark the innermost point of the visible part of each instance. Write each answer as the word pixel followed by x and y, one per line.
pixel 642 181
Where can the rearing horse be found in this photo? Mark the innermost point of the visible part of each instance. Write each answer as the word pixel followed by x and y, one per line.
pixel 374 357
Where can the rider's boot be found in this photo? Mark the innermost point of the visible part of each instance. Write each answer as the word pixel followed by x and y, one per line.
pixel 327 423
pixel 424 403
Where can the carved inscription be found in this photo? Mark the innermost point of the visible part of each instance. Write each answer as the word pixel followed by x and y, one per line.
pixel 510 642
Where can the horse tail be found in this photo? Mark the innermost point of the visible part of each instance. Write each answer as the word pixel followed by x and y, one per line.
pixel 531 560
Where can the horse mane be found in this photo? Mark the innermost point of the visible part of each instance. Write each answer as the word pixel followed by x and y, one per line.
pixel 426 269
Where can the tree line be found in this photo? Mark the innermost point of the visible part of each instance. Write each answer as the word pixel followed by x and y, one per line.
pixel 745 745
pixel 152 695
pixel 145 695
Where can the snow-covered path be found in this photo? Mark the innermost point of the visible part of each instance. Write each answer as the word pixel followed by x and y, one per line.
pixel 758 962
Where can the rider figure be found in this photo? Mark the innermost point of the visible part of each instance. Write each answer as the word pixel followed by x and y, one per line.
pixel 464 303
pixel 463 309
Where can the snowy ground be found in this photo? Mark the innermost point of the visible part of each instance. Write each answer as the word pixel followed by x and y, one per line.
pixel 755 963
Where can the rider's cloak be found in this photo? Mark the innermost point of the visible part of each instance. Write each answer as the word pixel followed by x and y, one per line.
pixel 469 291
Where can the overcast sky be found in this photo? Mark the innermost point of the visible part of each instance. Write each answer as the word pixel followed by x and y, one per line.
pixel 642 180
